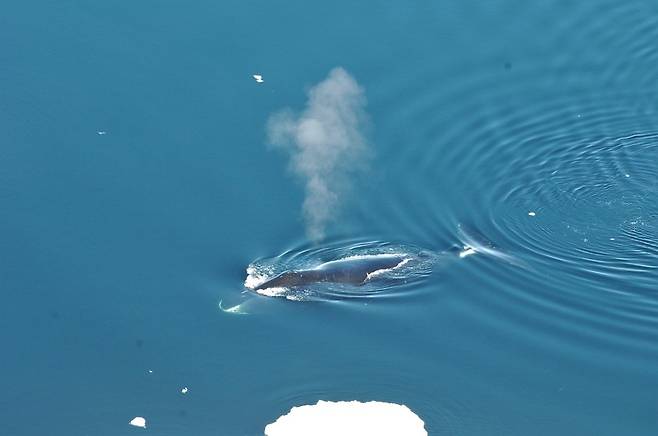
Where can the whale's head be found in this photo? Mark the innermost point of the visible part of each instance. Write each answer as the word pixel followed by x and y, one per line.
pixel 289 279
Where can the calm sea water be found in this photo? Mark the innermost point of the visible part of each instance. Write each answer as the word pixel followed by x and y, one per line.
pixel 116 248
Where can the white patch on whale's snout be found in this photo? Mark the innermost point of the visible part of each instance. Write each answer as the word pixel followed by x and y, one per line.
pixel 273 292
pixel 254 278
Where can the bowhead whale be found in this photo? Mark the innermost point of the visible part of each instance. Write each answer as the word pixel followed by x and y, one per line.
pixel 353 270
pixel 359 269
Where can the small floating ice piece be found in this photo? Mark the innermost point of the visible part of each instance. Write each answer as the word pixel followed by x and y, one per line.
pixel 184 390
pixel 532 214
pixel 627 175
pixel 258 78
pixel 150 371
pixel 348 418
pixel 101 132
pixel 138 421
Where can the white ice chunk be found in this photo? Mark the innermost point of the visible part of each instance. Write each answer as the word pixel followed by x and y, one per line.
pixel 138 421
pixel 184 390
pixel 532 214
pixel 348 418
pixel 258 78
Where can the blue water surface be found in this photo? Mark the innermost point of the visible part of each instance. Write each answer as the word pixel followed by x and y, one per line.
pixel 136 187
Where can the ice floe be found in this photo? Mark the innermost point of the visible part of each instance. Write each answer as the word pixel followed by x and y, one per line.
pixel 348 418
pixel 138 421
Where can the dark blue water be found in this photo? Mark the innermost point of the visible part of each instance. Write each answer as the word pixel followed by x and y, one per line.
pixel 116 248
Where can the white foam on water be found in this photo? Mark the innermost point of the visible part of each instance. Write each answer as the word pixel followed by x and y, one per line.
pixel 348 418
pixel 293 297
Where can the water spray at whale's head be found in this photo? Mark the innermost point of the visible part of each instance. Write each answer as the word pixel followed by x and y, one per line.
pixel 326 143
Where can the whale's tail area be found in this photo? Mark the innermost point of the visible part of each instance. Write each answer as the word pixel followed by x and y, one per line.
pixel 470 235
pixel 473 241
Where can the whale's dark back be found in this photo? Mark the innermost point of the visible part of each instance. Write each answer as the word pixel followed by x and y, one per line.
pixel 352 270
pixel 356 269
